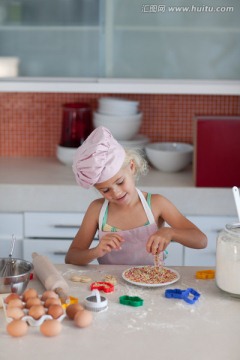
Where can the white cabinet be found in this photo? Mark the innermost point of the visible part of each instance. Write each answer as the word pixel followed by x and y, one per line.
pixel 11 223
pixel 122 39
pixel 50 234
pixel 210 225
pixel 52 225
pixel 150 40
pixel 55 250
pixel 46 35
pixel 175 255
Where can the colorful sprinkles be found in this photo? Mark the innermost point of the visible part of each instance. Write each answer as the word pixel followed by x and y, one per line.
pixel 149 275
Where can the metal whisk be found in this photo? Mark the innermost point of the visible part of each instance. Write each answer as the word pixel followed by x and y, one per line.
pixel 8 268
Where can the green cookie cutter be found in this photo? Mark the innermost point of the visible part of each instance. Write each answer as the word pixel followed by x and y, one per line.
pixel 131 300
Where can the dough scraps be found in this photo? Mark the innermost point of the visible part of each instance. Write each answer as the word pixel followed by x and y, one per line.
pixel 111 279
pixel 81 278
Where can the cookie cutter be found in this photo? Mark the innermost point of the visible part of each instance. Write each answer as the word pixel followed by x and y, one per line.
pixel 174 293
pixel 189 295
pixel 131 300
pixel 72 300
pixel 104 286
pixel 205 274
pixel 96 302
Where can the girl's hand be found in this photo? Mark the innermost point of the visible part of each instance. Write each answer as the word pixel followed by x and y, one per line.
pixel 109 242
pixel 159 240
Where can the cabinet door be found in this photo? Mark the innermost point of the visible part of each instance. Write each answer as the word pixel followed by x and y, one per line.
pixel 5 247
pixel 175 255
pixel 150 40
pixel 210 225
pixel 52 225
pixel 55 250
pixel 121 39
pixel 11 223
pixel 53 38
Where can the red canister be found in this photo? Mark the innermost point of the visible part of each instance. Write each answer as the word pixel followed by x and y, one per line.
pixel 76 124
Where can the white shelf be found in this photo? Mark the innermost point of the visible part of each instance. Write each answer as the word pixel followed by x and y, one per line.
pixel 177 29
pixel 120 86
pixel 49 28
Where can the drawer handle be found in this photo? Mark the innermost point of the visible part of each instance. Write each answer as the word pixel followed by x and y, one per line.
pixel 59 252
pixel 59 226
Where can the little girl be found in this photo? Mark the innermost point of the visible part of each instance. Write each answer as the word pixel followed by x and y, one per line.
pixel 130 222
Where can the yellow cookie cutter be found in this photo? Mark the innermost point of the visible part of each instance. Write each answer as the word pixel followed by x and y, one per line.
pixel 72 300
pixel 205 274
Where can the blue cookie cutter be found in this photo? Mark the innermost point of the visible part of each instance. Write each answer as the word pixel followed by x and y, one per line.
pixel 189 295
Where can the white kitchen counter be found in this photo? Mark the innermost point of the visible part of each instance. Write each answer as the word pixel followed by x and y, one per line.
pixel 44 184
pixel 162 328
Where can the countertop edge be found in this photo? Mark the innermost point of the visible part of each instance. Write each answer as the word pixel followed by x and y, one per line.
pixel 44 184
pixel 64 198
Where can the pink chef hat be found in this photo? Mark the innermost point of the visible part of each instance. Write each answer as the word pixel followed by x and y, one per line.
pixel 98 159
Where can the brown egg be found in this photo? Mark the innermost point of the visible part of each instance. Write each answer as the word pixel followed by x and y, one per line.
pixel 29 293
pixel 55 311
pixel 11 297
pixel 15 313
pixel 33 301
pixel 83 318
pixel 51 327
pixel 17 328
pixel 49 294
pixel 72 309
pixel 52 301
pixel 36 311
pixel 16 303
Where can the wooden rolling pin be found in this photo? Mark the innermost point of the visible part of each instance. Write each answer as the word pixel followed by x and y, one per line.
pixel 50 277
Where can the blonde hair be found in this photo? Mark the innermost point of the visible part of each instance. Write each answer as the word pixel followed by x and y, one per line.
pixel 137 156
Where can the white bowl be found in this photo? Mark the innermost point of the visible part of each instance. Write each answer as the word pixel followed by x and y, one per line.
pixel 169 156
pixel 123 128
pixel 109 119
pixel 117 106
pixel 65 154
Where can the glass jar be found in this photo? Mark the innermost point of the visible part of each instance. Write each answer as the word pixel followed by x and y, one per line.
pixel 228 259
pixel 76 124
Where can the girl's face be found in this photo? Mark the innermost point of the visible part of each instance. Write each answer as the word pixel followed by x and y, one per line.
pixel 120 187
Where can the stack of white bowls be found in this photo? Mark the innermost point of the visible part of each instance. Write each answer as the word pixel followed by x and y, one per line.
pixel 120 116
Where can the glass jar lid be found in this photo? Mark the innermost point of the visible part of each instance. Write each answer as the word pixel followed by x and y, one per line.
pixel 234 229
